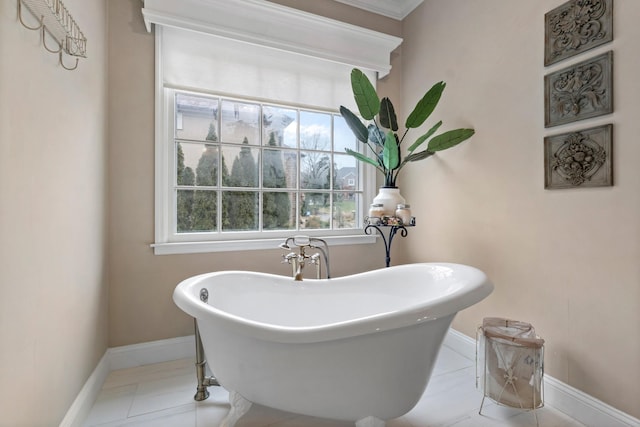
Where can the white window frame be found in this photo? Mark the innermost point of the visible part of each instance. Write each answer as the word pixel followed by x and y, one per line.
pixel 222 241
pixel 244 21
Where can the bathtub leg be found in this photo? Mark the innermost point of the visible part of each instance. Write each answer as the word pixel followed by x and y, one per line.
pixel 201 363
pixel 370 422
pixel 239 407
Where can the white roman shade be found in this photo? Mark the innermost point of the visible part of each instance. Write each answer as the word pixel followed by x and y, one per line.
pixel 262 50
pixel 197 60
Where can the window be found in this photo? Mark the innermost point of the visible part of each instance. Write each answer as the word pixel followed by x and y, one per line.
pixel 249 145
pixel 243 166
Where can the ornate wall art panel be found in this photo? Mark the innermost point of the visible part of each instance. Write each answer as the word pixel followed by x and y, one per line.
pixel 579 92
pixel 577 26
pixel 579 159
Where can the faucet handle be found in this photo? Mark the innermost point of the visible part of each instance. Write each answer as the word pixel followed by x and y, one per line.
pixel 286 258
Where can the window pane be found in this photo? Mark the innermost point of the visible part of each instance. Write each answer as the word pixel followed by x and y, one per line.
pixel 279 169
pixel 186 163
pixel 196 210
pixel 240 210
pixel 315 210
pixel 315 170
pixel 279 210
pixel 342 136
pixel 244 166
pixel 345 176
pixel 345 210
pixel 184 217
pixel 199 166
pixel 315 131
pixel 196 117
pixel 240 122
pixel 280 127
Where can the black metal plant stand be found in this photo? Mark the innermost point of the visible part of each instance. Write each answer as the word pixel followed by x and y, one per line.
pixel 388 232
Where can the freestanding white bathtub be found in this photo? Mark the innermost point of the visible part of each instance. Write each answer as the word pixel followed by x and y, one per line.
pixel 359 348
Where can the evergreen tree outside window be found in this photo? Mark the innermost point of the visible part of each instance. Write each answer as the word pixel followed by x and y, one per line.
pixel 288 168
pixel 276 205
pixel 242 206
pixel 185 198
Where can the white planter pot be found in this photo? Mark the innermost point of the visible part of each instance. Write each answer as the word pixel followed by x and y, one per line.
pixel 389 197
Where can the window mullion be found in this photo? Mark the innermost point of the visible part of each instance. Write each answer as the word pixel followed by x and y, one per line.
pixel 260 169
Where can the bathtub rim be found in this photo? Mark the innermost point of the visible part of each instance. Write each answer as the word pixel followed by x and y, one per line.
pixel 187 299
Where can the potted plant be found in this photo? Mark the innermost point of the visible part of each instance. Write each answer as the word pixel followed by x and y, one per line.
pixel 380 136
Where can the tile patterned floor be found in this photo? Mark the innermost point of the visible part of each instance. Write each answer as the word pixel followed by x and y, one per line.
pixel 161 395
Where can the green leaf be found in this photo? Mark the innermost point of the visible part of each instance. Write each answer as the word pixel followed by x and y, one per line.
pixel 362 157
pixel 414 157
pixel 391 152
pixel 424 137
pixel 418 156
pixel 388 117
pixel 425 106
pixel 355 124
pixel 365 95
pixel 376 135
pixel 449 139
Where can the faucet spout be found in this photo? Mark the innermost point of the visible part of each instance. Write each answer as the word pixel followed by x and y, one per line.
pixel 300 265
pixel 298 276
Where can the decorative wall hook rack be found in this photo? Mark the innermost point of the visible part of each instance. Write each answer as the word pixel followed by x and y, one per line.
pixel 55 20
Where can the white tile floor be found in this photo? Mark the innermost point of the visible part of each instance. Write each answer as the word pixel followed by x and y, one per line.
pixel 161 395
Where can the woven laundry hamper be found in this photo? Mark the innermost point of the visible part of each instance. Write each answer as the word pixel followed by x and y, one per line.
pixel 510 363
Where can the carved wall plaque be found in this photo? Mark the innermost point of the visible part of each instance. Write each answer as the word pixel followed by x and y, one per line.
pixel 579 159
pixel 577 26
pixel 579 92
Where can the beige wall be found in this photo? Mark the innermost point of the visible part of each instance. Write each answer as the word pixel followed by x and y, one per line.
pixel 342 12
pixel 53 296
pixel 564 260
pixel 141 283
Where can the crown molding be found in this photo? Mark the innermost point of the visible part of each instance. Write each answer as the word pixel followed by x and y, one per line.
pixel 397 9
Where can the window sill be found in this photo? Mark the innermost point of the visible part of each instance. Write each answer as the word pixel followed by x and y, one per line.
pixel 243 245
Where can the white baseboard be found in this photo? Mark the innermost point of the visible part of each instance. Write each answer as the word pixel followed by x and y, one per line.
pixel 578 405
pixel 81 406
pixel 128 356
